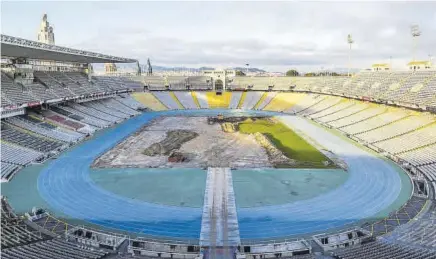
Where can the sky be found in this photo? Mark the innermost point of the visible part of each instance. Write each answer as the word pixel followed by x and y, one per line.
pixel 275 36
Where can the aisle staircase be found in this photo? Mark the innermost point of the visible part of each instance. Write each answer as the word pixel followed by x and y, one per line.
pixel 194 97
pixel 149 101
pixel 241 101
pixel 176 100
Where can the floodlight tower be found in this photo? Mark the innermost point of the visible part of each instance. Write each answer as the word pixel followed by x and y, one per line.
pixel 414 30
pixel 149 68
pixel 350 42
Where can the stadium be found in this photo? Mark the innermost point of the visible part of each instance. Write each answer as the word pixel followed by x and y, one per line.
pixel 213 165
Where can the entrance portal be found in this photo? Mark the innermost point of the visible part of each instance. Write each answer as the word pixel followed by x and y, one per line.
pixel 219 85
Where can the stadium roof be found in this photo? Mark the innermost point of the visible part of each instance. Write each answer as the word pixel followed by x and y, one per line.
pixel 14 47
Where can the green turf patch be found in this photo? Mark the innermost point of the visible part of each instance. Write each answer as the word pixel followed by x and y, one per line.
pixel 287 141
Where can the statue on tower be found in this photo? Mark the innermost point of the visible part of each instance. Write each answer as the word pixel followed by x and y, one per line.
pixel 46 34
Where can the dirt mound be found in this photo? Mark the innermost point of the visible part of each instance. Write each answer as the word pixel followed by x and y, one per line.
pixel 173 141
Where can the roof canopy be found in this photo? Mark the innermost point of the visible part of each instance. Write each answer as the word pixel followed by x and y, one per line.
pixel 14 47
pixel 380 65
pixel 419 62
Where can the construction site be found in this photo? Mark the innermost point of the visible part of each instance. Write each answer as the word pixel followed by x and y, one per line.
pixel 188 142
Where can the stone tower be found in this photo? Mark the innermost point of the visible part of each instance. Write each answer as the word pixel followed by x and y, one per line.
pixel 46 34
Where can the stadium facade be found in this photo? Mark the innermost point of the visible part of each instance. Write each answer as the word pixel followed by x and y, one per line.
pixel 55 112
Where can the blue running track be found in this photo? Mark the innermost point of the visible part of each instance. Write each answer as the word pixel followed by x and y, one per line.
pixel 65 184
pixel 373 185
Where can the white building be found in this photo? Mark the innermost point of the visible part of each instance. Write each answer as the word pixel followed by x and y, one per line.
pixel 419 65
pixel 220 77
pixel 381 67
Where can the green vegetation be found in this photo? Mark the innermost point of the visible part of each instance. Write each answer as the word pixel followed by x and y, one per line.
pixel 292 73
pixel 239 73
pixel 289 142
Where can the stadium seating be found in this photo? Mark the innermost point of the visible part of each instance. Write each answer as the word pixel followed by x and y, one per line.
pixel 85 109
pixel 80 116
pixel 283 83
pixel 33 141
pixel 405 134
pixel 376 120
pixel 167 100
pixel 251 99
pixel 420 232
pixel 111 103
pixel 320 106
pixel 202 100
pixel 149 101
pixel 40 92
pixel 200 82
pixel 44 129
pixel 128 101
pixel 116 83
pixel 82 80
pixel 421 156
pixel 234 101
pixel 395 128
pixel 177 82
pixel 109 113
pixel 306 102
pixel 218 101
pixel 50 85
pixel 8 170
pixel 414 87
pixel 416 138
pixel 50 249
pixel 425 93
pixel 74 86
pixel 155 82
pixel 14 231
pixel 283 102
pixel 263 102
pixel 18 240
pixel 186 100
pixel 429 171
pixel 334 117
pixel 56 86
pixel 15 154
pixel 14 93
pixel 380 250
pixel 343 104
pixel 360 116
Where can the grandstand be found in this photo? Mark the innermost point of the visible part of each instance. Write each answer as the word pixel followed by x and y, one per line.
pixel 56 114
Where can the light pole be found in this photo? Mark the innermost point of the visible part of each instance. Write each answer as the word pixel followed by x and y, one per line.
pixel 414 30
pixel 390 62
pixel 350 42
pixel 430 59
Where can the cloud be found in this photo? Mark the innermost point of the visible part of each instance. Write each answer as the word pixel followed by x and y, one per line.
pixel 275 35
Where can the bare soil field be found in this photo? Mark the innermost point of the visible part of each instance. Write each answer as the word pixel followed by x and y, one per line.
pixel 210 148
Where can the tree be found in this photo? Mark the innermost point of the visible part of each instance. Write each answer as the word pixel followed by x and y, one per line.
pixel 239 73
pixel 292 72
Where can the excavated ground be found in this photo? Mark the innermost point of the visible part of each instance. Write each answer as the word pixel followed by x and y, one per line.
pixel 211 147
